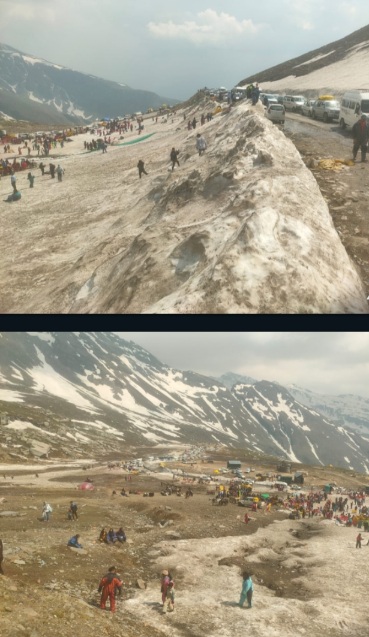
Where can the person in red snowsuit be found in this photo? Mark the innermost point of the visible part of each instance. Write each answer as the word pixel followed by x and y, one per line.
pixel 107 587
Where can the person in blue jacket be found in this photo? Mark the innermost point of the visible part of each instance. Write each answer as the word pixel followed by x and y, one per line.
pixel 111 537
pixel 15 196
pixel 74 541
pixel 247 590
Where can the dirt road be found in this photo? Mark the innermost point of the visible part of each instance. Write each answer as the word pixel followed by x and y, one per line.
pixel 345 190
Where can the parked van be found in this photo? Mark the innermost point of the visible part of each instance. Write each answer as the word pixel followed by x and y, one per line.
pixel 293 103
pixel 354 104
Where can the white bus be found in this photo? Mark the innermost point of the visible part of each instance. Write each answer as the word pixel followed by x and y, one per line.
pixel 354 104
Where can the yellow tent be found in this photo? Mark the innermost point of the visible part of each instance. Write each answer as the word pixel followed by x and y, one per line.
pixel 216 471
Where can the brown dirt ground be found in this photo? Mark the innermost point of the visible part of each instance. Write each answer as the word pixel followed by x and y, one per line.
pixel 345 191
pixel 55 590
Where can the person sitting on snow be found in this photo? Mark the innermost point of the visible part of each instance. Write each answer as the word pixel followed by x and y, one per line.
pixel 74 541
pixel 111 537
pixel 121 536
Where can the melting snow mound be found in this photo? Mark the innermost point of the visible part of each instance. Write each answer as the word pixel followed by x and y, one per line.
pixel 242 229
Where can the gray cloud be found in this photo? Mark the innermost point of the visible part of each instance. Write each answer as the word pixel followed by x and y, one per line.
pixel 174 48
pixel 326 362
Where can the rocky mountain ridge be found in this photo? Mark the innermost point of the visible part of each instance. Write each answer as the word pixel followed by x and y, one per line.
pixel 77 394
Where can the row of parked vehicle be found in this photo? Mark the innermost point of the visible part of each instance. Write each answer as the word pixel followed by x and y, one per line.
pixel 354 104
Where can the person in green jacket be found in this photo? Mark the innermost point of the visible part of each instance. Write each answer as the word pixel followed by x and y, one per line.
pixel 247 590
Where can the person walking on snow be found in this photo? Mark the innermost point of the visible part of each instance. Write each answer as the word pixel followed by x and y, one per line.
pixel 358 541
pixel 361 136
pixel 174 157
pixel 200 144
pixel 141 168
pixel 247 591
pixel 46 511
pixel 59 172
pixel 168 605
pixel 13 181
pixel 165 579
pixel 108 584
pixel 73 511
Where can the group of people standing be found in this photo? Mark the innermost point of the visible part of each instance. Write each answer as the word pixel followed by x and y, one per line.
pixel 16 195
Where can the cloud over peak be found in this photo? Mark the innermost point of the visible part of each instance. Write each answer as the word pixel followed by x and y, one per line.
pixel 209 27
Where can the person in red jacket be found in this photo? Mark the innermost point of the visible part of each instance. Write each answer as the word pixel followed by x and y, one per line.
pixel 109 583
pixel 360 132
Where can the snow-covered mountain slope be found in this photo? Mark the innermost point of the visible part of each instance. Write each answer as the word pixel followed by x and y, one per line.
pixel 36 90
pixel 82 393
pixel 300 432
pixel 336 67
pixel 345 409
pixel 102 378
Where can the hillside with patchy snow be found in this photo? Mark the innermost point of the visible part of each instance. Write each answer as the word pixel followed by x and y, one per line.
pixel 36 90
pixel 334 68
pixel 104 393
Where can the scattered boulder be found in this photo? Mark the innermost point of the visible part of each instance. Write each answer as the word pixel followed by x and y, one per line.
pixel 141 584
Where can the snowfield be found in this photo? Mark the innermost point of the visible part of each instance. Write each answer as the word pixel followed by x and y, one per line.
pixel 242 229
pixel 208 593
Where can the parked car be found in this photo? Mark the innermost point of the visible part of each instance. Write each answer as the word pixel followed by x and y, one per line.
pixel 307 107
pixel 276 113
pixel 269 98
pixel 327 110
pixel 293 103
pixel 249 501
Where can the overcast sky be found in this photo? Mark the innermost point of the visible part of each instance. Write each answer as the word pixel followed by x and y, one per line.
pixel 324 362
pixel 174 47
